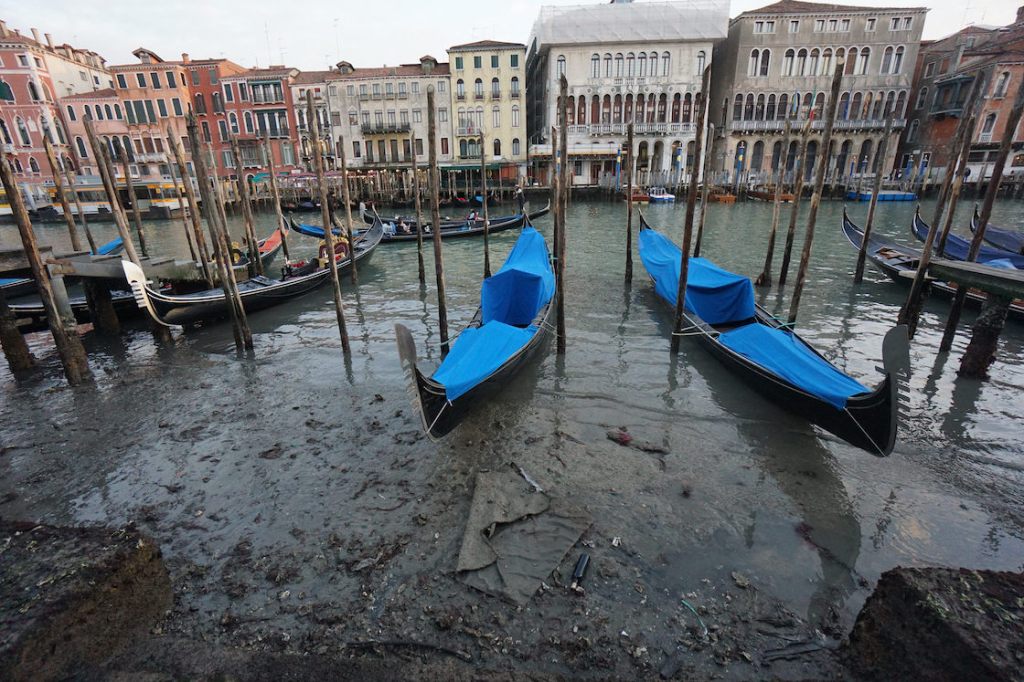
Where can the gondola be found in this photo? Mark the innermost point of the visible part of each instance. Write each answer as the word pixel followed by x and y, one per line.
pixel 1001 238
pixel 900 263
pixel 506 331
pixel 478 200
pixel 12 287
pixel 720 311
pixel 957 248
pixel 368 218
pixel 256 293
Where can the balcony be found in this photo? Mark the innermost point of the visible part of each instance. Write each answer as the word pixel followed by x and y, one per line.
pixel 461 97
pixel 384 128
pixel 984 138
pixel 376 95
pixel 514 94
pixel 846 124
pixel 479 96
pixel 151 157
pixel 597 129
pixel 260 133
pixel 468 131
pixel 495 96
pixel 364 97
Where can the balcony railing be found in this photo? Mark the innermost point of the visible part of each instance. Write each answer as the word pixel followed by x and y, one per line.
pixel 514 94
pixel 479 95
pixel 464 131
pixel 985 137
pixel 638 129
pixel 461 97
pixel 150 157
pixel 384 128
pixel 845 124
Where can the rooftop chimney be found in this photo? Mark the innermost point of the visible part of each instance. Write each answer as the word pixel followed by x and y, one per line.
pixel 185 58
pixel 49 40
pixel 3 29
pixel 35 35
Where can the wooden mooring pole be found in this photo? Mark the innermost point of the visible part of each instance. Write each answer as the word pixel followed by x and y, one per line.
pixel 991 191
pixel 79 210
pixel 765 278
pixel 182 208
pixel 268 156
pixel 435 220
pixel 222 250
pixel 704 190
pixel 700 102
pixel 136 213
pixel 819 186
pixel 419 211
pixel 347 198
pixel 883 146
pixel 193 206
pixel 798 192
pixel 483 204
pixel 16 351
pixel 563 200
pixel 106 175
pixel 58 311
pixel 243 199
pixel 58 186
pixel 629 203
pixel 325 216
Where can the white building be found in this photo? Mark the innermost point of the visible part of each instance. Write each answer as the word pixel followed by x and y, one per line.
pixel 625 62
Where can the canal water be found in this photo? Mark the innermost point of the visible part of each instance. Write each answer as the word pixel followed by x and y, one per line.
pixel 299 506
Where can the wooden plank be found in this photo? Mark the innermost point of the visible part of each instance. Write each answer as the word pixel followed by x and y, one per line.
pixel 999 281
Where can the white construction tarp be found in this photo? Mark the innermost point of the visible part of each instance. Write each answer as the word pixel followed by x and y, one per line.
pixel 631 22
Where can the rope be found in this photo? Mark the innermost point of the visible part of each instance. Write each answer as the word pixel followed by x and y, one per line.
pixel 870 439
pixel 439 413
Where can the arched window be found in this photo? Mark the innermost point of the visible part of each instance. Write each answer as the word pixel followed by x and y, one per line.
pixel 654 64
pixel 33 93
pixel 890 102
pixel 665 58
pixel 753 62
pixel 801 62
pixel 897 62
pixel 515 146
pixel 463 148
pixel 514 86
pixel 687 108
pixel 879 102
pixel 776 155
pixel 80 144
pixel 247 118
pixel 117 112
pixel 233 120
pixel 812 63
pixel 1002 86
pixel 642 64
pixel 819 105
pixel 127 145
pixel 99 112
pixel 606 109
pixel 737 108
pixel 217 100
pixel 806 108
pixel 6 93
pixel 788 61
pixel 986 128
pixel 595 65
pixel 460 89
pixel 47 133
pixel 581 111
pixel 862 61
pixel 826 62
pixel 757 156
pixel 60 132
pixel 886 60
pixel 783 111
pixel 495 117
pixel 33 165
pixel 844 106
pixel 495 88
pixel 617 109
pixel 922 96
pixel 662 108
pixel 618 65
pixel 766 58
pixel 912 130
pixel 23 132
pixel 478 87
pixel 748 108
pixel 851 63
pixel 759 108
pixel 769 112
pixel 856 105
pixel 607 65
pixel 701 59
pixel 560 68
pixel 110 113
pixel 71 113
pixel 200 103
pixel 630 65
pixel 515 116
pixel 497 147
pixel 901 104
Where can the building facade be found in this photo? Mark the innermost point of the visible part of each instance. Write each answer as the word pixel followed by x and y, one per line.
pixel 382 113
pixel 946 71
pixel 487 95
pixel 625 62
pixel 776 65
pixel 316 83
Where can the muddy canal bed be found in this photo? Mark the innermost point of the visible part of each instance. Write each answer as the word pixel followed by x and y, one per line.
pixel 300 508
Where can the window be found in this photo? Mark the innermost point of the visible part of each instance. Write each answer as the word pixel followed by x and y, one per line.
pixel 907 22
pixel 495 88
pixel 921 98
pixel 801 62
pixel 764 27
pixel 121 82
pixel 233 120
pixel 496 117
pixel 595 66
pixel 897 62
pixel 608 65
pixel 494 61
pixel 357 149
pixel 419 146
pixel 402 90
pixel 513 61
pixel 442 115
pixel 1002 85
pixel 169 77
pixel 150 113
pixel 515 116
pixel 33 93
pixel 516 149
pixel 812 63
pixel 403 117
pixel 117 111
pixel 701 58
pixel 161 106
pixel 665 57
pixel 894 24
pixel 229 93
pixel 986 129
pixel 141 79
pixel 200 103
pixel 560 66
pixel 515 86
pixel 478 62
pixel 862 61
pixel 99 113
pixel 929 69
pixel 642 64
pixel 826 61
pixel 23 132
pixel 154 78
pixel 80 144
pixel 478 88
pixel 247 120
pixel 71 113
pixel 213 76
pixel 833 25
pixel 176 106
pixel 819 25
pixel 444 146
pixel 618 65
pixel 206 131
pixel 794 26
pixel 886 60
pixel 441 87
pixel 458 62
pixel 869 25
pixel 788 61
pixel 844 25
pixel 630 65
pixel 389 90
pixel 414 87
pixel 460 89
pixel 753 62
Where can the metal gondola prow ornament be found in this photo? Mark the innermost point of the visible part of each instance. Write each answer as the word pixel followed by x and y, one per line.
pixel 137 281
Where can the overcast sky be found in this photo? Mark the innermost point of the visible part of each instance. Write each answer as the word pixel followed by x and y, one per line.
pixel 312 34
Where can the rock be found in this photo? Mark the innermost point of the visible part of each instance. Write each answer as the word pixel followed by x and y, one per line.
pixel 71 597
pixel 941 624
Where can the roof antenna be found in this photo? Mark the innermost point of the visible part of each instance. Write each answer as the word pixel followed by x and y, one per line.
pixel 266 32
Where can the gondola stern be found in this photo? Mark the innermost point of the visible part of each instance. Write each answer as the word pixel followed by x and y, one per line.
pixel 137 281
pixel 416 381
pixel 896 365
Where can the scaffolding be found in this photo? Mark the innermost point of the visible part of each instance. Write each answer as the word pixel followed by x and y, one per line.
pixel 630 22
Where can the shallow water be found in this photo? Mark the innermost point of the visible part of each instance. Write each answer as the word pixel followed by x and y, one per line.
pixel 301 455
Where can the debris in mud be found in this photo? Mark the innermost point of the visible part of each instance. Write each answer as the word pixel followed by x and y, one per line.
pixel 272 453
pixel 620 436
pixel 740 580
pixel 623 437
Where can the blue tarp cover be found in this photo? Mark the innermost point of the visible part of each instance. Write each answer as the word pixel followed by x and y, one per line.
pixel 1011 240
pixel 476 353
pixel 715 295
pixel 516 293
pixel 110 247
pixel 957 248
pixel 1005 263
pixel 510 299
pixel 785 355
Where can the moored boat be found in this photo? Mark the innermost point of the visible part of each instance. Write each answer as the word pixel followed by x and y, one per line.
pixel 958 248
pixel 505 332
pixel 768 194
pixel 771 358
pixel 1000 238
pixel 660 195
pixel 884 195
